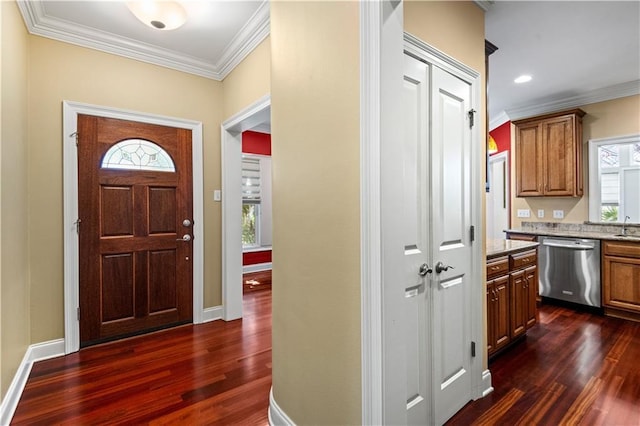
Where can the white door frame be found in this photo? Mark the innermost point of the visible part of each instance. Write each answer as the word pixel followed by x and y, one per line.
pixel 503 156
pixel 70 200
pixel 231 146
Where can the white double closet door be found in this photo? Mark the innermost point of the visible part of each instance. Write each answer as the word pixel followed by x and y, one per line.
pixel 436 220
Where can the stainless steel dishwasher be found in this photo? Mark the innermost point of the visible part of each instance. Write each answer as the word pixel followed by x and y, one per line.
pixel 570 270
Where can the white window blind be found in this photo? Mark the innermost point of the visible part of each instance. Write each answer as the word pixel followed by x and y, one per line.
pixel 250 180
pixel 610 191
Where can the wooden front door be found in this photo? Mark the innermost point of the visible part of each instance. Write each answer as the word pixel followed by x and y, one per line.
pixel 135 211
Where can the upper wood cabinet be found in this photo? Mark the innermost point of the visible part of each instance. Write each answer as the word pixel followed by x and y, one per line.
pixel 549 155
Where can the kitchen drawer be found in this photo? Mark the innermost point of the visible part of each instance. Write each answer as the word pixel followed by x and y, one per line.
pixel 522 260
pixel 622 248
pixel 496 267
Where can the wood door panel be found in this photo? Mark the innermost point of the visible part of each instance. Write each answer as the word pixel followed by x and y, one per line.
pixel 558 149
pixel 162 279
pixel 528 159
pixel 162 210
pixel 134 274
pixel 117 287
pixel 116 199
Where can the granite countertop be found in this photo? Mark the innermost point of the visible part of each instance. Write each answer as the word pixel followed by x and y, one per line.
pixel 501 247
pixel 576 233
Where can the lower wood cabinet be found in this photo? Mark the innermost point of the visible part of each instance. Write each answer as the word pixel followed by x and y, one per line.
pixel 621 278
pixel 512 287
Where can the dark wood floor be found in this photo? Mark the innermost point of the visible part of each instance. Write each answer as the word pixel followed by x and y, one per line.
pixel 213 373
pixel 573 369
pixel 256 281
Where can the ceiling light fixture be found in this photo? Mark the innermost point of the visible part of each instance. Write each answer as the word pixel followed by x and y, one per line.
pixel 522 79
pixel 492 146
pixel 159 14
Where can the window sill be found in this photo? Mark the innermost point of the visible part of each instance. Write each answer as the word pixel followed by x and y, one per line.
pixel 255 249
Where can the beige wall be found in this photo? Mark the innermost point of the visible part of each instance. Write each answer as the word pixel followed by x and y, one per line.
pixel 316 295
pixel 617 117
pixel 316 239
pixel 249 81
pixel 14 276
pixel 60 71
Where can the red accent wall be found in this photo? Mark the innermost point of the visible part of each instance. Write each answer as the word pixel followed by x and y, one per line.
pixel 254 257
pixel 502 136
pixel 256 143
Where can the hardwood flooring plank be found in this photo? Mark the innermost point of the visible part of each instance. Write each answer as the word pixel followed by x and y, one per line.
pixel 583 403
pixel 496 412
pixel 536 414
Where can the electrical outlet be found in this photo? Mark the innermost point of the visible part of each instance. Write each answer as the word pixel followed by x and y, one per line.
pixel 524 213
pixel 540 213
pixel 558 214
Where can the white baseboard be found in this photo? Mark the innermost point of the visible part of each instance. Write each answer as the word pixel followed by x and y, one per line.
pixel 212 314
pixel 486 383
pixel 258 267
pixel 36 352
pixel 277 417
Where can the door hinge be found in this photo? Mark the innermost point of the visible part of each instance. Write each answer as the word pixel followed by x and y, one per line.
pixel 77 223
pixel 74 134
pixel 473 349
pixel 472 114
pixel 78 313
pixel 472 231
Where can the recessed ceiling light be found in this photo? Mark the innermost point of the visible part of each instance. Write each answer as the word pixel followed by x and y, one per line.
pixel 522 79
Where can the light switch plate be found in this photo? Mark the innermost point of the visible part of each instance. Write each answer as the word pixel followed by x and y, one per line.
pixel 217 196
pixel 540 213
pixel 558 214
pixel 524 213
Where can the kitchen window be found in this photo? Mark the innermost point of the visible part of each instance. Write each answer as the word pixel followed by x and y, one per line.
pixel 614 179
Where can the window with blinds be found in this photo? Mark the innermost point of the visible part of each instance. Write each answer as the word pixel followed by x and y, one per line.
pixel 250 180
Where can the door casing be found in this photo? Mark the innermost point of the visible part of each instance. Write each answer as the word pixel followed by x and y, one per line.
pixel 231 137
pixel 70 203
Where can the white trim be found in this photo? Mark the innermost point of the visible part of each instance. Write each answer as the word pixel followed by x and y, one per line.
pixel 257 267
pixel 498 121
pixel 34 353
pixel 277 417
pixel 231 147
pixel 486 383
pixel 622 90
pixel 594 170
pixel 248 38
pixel 212 314
pixel 370 222
pixel 421 50
pixel 70 203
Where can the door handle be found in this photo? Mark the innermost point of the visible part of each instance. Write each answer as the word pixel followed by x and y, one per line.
pixel 185 237
pixel 424 270
pixel 186 223
pixel 441 267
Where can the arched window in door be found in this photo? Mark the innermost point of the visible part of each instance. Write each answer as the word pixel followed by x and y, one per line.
pixel 138 154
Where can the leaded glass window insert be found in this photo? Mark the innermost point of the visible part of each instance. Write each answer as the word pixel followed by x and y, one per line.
pixel 138 154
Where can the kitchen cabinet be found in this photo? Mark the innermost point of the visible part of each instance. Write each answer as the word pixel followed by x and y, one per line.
pixel 549 155
pixel 512 285
pixel 621 279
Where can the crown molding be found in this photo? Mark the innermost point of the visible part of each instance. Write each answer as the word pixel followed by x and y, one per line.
pixel 248 38
pixel 621 90
pixel 254 32
pixel 484 4
pixel 498 121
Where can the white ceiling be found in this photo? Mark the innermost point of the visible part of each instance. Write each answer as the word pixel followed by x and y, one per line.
pixel 577 52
